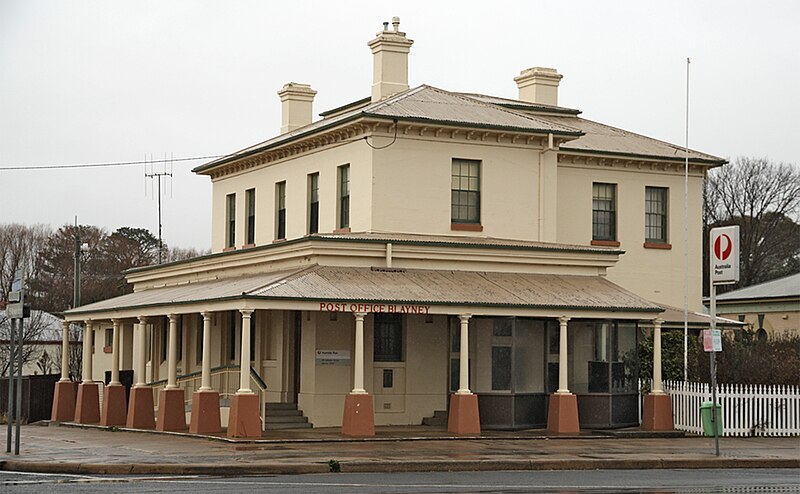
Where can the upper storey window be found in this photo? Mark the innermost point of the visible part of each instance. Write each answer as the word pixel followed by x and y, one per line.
pixel 250 226
pixel 230 220
pixel 604 212
pixel 313 203
pixel 344 196
pixel 655 215
pixel 280 210
pixel 465 193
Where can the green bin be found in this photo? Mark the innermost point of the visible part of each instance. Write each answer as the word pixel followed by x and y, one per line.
pixel 706 411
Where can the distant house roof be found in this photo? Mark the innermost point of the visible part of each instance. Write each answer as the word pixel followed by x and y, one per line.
pixel 786 287
pixel 440 107
pixel 51 325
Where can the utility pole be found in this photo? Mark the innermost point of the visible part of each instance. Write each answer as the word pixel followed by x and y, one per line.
pixel 157 176
pixel 76 286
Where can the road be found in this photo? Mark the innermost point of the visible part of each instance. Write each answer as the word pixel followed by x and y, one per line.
pixel 593 481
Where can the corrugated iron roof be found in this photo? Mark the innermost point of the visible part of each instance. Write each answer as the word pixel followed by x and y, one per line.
pixel 598 137
pixel 219 289
pixel 433 287
pixel 437 105
pixel 422 103
pixel 788 286
pixel 470 288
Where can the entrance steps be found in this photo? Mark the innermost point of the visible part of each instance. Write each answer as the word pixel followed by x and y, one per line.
pixel 439 419
pixel 285 416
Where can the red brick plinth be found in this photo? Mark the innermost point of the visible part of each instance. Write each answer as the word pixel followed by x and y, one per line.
pixel 243 420
pixel 87 406
pixel 464 417
pixel 657 413
pixel 562 414
pixel 205 413
pixel 359 415
pixel 171 410
pixel 114 410
pixel 140 409
pixel 63 402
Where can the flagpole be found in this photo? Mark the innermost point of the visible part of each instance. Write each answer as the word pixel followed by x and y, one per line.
pixel 686 237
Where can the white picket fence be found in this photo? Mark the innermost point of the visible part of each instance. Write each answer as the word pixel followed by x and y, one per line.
pixel 747 410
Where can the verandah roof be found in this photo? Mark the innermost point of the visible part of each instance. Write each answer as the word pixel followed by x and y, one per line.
pixel 393 286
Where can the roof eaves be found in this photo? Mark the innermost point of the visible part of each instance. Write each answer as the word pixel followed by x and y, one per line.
pixel 717 161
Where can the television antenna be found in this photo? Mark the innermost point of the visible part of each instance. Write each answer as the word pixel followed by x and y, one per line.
pixel 155 176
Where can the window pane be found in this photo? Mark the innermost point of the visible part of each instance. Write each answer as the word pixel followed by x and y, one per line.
pixel 604 212
pixel 655 214
pixel 388 338
pixel 465 193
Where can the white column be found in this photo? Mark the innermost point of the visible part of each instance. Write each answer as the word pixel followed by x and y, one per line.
pixel 244 357
pixel 65 352
pixel 172 356
pixel 205 381
pixel 141 358
pixel 563 387
pixel 657 389
pixel 115 353
pixel 358 359
pixel 463 375
pixel 87 352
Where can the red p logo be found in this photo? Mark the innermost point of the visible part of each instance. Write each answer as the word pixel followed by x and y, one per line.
pixel 722 249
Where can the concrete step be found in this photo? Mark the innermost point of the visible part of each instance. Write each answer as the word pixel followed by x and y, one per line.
pixel 281 412
pixel 439 419
pixel 273 419
pixel 281 406
pixel 279 426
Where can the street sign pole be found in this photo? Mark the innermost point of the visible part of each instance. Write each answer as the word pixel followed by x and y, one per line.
pixel 10 407
pixel 723 270
pixel 20 326
pixel 713 369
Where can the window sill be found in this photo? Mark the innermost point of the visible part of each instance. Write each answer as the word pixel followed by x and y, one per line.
pixel 657 245
pixel 279 240
pixel 605 243
pixel 107 349
pixel 466 227
pixel 248 246
pixel 228 249
pixel 342 230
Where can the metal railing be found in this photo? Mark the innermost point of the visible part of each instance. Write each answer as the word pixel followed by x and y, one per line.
pixel 224 380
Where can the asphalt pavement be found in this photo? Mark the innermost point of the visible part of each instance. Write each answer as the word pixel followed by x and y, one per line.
pixel 70 449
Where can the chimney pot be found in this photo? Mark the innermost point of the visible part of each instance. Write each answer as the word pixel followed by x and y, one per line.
pixel 389 61
pixel 539 85
pixel 297 102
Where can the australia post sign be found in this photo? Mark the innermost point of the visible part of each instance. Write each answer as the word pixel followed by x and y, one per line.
pixel 725 255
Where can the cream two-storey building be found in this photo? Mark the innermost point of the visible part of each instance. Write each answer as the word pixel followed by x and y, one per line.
pixel 414 252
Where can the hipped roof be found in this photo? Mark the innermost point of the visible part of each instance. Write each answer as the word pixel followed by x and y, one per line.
pixel 393 286
pixel 437 106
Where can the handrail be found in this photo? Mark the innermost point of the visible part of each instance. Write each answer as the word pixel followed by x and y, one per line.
pixel 199 373
pixel 226 386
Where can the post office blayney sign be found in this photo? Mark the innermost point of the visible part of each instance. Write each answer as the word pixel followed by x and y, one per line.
pixel 724 255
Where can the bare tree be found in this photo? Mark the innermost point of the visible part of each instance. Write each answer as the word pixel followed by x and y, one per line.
pixel 19 250
pixel 180 253
pixel 33 329
pixel 763 198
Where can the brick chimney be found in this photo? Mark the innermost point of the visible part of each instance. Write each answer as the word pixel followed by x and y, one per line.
pixel 389 61
pixel 539 85
pixel 296 106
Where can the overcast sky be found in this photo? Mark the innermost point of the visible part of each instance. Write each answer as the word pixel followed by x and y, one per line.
pixel 108 81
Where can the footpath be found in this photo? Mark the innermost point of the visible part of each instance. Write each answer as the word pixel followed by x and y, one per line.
pixel 65 448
